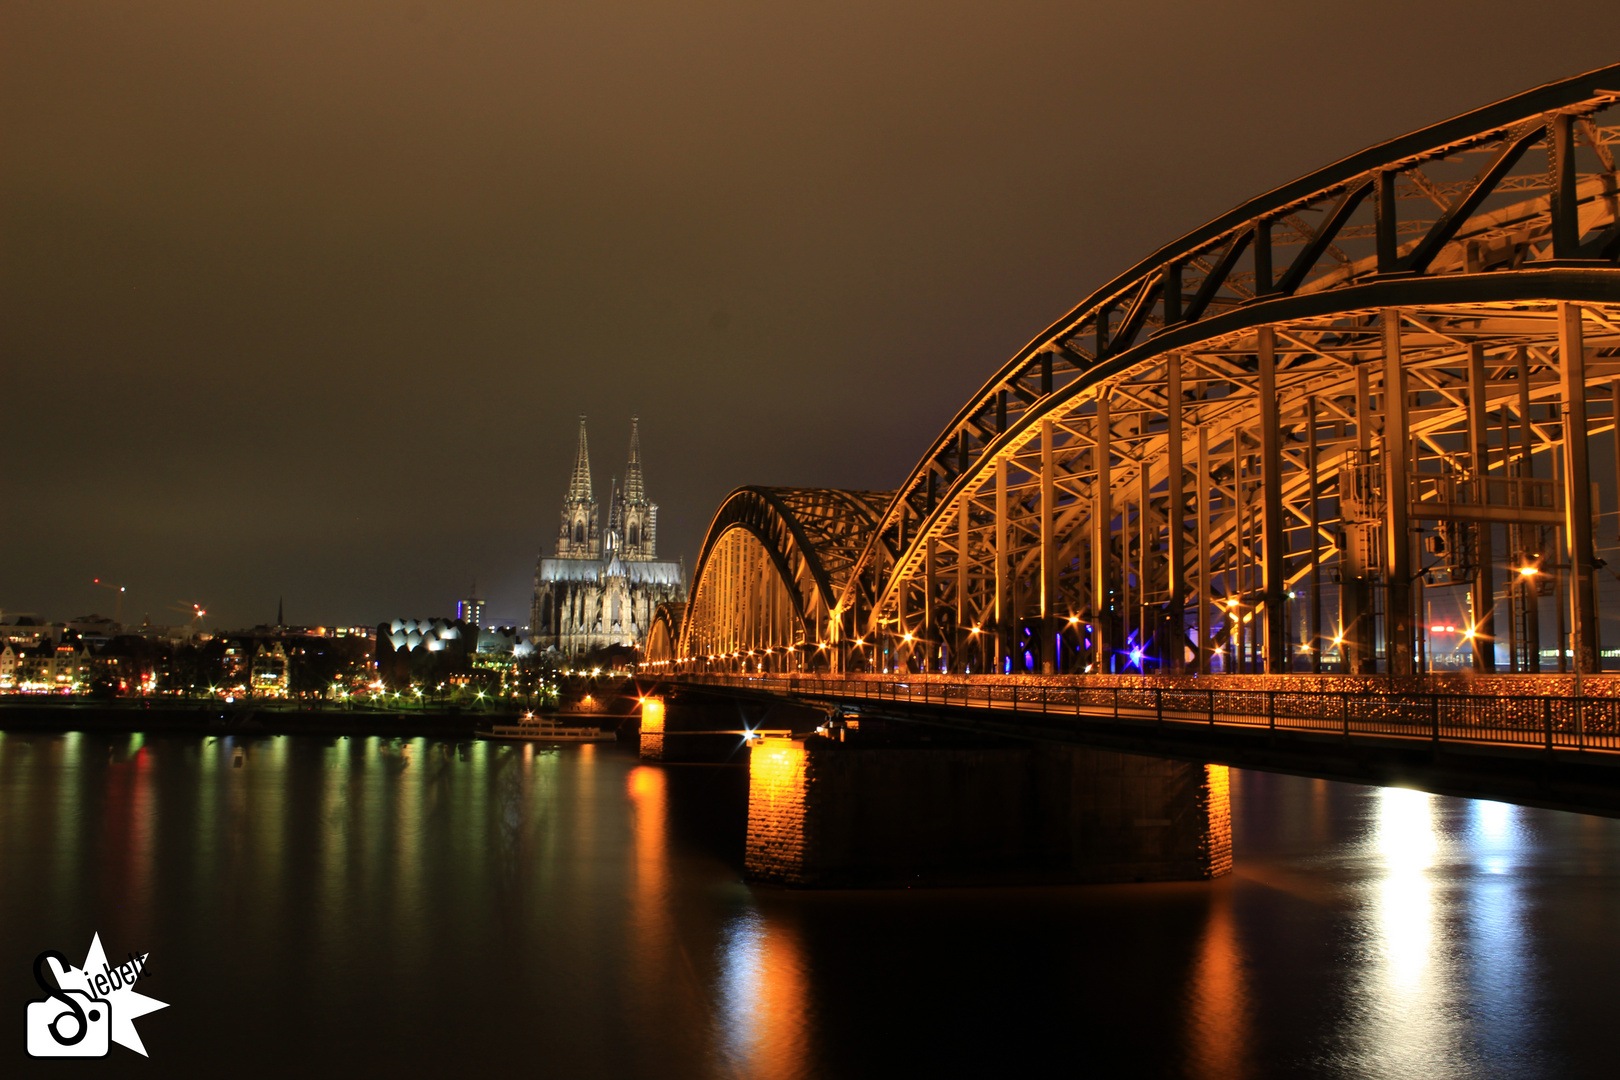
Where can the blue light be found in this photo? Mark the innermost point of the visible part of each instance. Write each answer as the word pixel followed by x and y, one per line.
pixel 1136 657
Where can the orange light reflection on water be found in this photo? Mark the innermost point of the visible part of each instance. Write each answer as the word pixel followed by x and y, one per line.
pixel 764 1020
pixel 1220 997
pixel 650 920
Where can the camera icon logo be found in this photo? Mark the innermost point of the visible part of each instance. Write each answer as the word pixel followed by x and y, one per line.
pixel 85 1009
pixel 66 1023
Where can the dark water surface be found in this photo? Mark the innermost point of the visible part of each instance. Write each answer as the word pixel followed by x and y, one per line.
pixel 321 907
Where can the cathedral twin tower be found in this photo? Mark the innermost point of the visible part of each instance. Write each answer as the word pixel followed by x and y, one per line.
pixel 602 588
pixel 632 521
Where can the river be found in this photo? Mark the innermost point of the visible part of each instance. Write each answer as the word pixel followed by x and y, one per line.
pixel 372 906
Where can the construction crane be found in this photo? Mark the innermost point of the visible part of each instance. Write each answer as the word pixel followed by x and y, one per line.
pixel 118 606
pixel 196 612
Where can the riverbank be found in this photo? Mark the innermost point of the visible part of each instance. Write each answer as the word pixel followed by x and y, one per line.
pixel 266 719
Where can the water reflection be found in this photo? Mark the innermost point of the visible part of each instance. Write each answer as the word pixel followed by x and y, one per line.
pixel 1220 997
pixel 1447 927
pixel 387 902
pixel 1406 989
pixel 1495 836
pixel 650 920
pixel 141 821
pixel 72 788
pixel 1404 909
pixel 1504 978
pixel 763 998
pixel 334 837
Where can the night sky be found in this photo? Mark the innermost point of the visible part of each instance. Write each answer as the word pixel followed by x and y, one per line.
pixel 301 299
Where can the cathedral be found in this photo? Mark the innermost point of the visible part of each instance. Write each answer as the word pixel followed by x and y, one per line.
pixel 602 586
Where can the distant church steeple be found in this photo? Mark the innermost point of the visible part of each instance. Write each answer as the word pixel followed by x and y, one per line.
pixel 635 519
pixel 578 538
pixel 634 491
pixel 579 486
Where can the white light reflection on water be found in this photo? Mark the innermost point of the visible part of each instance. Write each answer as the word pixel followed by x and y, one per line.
pixel 1503 974
pixel 1495 836
pixel 742 946
pixel 1447 976
pixel 1404 907
pixel 762 1020
pixel 1403 1025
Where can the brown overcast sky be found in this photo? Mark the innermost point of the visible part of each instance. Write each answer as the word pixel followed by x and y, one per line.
pixel 301 298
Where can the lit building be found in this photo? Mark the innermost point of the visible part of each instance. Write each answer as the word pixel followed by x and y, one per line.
pixel 471 610
pixel 434 635
pixel 602 586
pixel 270 669
pixel 50 668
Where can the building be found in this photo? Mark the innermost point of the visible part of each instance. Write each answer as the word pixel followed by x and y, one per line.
pixel 270 669
pixel 602 586
pixel 46 668
pixel 471 610
pixel 27 632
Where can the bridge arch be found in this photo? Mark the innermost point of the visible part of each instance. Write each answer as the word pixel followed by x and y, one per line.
pixel 773 563
pixel 1273 443
pixel 664 636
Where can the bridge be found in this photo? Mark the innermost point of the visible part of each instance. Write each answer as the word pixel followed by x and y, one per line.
pixel 1330 443
pixel 1256 450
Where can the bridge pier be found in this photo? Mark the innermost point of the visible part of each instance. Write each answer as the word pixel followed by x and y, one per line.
pixel 652 728
pixel 829 814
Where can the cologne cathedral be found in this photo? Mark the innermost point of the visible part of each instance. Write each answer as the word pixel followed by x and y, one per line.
pixel 602 586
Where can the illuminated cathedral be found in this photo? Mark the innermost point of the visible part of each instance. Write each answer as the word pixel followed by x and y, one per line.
pixel 602 585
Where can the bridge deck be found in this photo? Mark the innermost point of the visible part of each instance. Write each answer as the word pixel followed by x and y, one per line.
pixel 1562 752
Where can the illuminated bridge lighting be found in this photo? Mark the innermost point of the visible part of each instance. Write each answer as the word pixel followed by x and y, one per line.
pixel 1049 496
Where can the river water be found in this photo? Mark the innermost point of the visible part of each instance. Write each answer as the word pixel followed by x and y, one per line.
pixel 360 906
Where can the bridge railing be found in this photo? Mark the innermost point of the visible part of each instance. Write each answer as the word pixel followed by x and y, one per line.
pixel 1552 723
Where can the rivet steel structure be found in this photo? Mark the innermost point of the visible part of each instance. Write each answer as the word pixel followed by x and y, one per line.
pixel 1257 450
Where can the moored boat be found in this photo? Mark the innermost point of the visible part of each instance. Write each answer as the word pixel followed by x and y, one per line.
pixel 547 729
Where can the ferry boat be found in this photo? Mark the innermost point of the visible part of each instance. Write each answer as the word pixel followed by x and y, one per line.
pixel 547 729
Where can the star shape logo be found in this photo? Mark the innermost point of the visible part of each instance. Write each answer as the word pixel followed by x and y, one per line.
pixel 124 1004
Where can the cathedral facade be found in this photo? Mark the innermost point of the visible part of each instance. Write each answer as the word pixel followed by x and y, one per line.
pixel 602 586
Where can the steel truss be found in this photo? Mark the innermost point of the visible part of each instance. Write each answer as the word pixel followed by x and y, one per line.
pixel 1252 450
pixel 773 564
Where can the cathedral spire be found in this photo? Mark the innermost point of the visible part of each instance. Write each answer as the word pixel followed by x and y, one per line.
pixel 578 538
pixel 579 486
pixel 634 493
pixel 635 518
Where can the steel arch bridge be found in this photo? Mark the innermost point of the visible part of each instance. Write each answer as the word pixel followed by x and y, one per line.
pixel 772 568
pixel 1255 450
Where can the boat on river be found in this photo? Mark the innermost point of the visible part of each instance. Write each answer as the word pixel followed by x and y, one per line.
pixel 547 729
